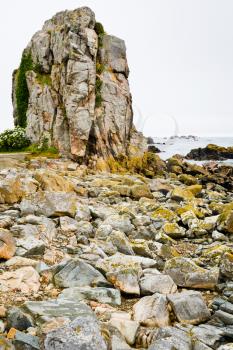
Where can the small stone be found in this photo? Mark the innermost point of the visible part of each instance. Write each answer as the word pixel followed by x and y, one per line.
pixel 121 242
pixel 127 328
pixel 7 248
pixel 26 341
pixel 16 318
pixel 2 311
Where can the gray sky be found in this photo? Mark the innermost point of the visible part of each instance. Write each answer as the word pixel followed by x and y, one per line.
pixel 180 54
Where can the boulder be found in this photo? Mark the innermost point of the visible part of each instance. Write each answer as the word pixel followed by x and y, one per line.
pixel 50 204
pixel 15 187
pixel 226 265
pixel 124 271
pixel 181 194
pixel 119 223
pixel 139 191
pixel 52 182
pixel 189 307
pixel 83 333
pixel 173 230
pixel 17 319
pixel 152 311
pixel 76 273
pixel 163 284
pixel 185 273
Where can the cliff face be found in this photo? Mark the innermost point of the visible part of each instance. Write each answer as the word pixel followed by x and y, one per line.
pixel 77 94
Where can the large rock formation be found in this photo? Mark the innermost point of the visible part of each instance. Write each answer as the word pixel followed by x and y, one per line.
pixel 78 96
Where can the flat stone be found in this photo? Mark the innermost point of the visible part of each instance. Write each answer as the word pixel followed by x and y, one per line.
pixel 50 204
pixel 26 341
pixel 225 317
pixel 189 307
pixel 102 295
pixel 44 311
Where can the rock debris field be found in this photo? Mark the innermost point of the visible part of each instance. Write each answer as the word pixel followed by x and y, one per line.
pixel 117 261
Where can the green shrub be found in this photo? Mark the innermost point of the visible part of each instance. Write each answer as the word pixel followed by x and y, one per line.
pixel 44 79
pixel 98 96
pixel 13 140
pixel 99 67
pixel 99 28
pixel 22 93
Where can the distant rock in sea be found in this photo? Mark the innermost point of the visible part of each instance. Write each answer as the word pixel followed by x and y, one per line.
pixel 211 152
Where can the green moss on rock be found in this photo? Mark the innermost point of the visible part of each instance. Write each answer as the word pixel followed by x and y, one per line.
pixel 22 93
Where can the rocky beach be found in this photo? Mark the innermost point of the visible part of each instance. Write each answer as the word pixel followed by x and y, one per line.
pixel 102 243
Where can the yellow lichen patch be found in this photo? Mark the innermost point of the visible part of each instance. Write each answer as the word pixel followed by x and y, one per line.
pixel 195 189
pixel 148 164
pixel 191 207
pixel 164 213
pixel 225 220
pixel 173 230
pixel 182 194
pixel 102 165
pixel 187 179
pixel 51 181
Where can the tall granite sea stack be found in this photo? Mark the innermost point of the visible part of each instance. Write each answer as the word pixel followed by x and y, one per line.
pixel 76 94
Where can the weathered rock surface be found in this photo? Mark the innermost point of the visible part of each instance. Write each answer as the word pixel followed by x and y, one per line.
pixel 186 273
pixel 152 311
pixel 79 97
pixel 82 333
pixel 77 273
pixel 25 279
pixel 101 295
pixel 189 307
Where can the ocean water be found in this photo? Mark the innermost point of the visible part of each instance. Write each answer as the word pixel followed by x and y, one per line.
pixel 183 145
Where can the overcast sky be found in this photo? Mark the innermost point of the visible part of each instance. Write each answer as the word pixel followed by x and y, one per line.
pixel 180 54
